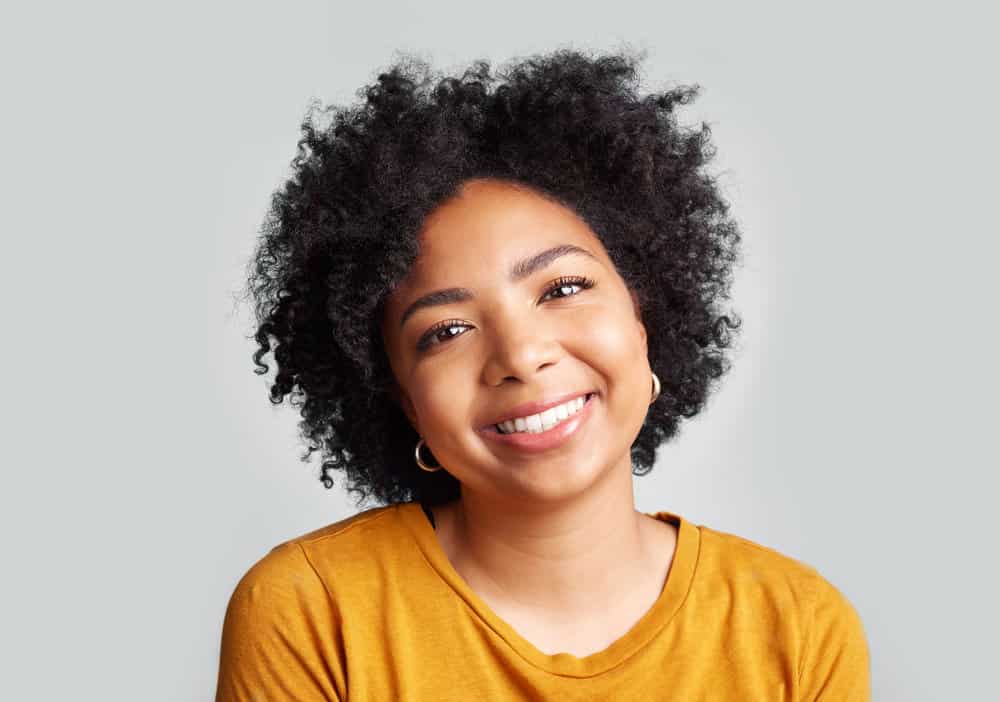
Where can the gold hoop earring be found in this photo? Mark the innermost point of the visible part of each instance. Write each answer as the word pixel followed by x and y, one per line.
pixel 424 466
pixel 656 388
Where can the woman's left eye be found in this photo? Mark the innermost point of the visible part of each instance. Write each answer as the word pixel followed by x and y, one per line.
pixel 565 283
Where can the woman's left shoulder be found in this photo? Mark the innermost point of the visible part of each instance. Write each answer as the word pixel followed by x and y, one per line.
pixel 733 555
pixel 789 594
pixel 736 562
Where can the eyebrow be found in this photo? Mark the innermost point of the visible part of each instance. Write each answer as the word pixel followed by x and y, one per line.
pixel 519 271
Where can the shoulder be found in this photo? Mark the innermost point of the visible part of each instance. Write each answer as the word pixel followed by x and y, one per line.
pixel 276 587
pixel 286 612
pixel 334 561
pixel 735 559
pixel 728 557
pixel 289 568
pixel 344 530
pixel 830 637
pixel 297 582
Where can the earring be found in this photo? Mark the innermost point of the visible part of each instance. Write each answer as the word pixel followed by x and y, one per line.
pixel 656 388
pixel 424 466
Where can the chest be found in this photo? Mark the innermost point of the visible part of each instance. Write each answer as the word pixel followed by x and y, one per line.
pixel 580 635
pixel 580 640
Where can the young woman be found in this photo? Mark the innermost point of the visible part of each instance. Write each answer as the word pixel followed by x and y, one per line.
pixel 494 296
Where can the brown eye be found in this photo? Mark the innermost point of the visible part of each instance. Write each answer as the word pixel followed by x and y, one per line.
pixel 436 334
pixel 564 284
pixel 433 335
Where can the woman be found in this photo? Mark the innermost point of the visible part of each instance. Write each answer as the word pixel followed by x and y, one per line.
pixel 494 296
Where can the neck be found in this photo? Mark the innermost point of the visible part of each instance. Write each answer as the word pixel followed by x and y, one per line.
pixel 573 557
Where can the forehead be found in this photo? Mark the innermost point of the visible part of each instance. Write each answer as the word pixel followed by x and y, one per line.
pixel 488 225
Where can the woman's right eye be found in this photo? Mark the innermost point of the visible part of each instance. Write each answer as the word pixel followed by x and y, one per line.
pixel 433 335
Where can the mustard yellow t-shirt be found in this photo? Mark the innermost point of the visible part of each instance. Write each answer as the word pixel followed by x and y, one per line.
pixel 370 608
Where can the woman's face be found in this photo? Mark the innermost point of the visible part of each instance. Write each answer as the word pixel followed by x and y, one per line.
pixel 538 334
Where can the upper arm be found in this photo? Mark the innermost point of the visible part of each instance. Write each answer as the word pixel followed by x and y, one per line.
pixel 277 635
pixel 835 665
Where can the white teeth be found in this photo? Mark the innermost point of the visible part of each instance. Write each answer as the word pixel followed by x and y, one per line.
pixel 535 423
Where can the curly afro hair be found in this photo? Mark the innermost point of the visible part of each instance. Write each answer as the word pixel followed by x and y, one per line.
pixel 341 233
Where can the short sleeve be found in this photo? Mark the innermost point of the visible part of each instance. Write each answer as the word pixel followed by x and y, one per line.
pixel 274 645
pixel 835 666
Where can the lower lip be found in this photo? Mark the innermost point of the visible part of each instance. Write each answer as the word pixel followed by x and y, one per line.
pixel 545 440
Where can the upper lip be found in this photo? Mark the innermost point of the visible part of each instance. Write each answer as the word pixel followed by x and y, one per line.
pixel 528 408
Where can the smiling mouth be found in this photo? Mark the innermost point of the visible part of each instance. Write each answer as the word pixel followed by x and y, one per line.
pixel 542 422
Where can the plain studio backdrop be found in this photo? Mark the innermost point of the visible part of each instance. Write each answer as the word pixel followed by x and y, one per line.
pixel 145 469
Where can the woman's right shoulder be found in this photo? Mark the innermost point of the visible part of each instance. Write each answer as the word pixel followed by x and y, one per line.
pixel 280 614
pixel 343 526
pixel 274 582
pixel 293 565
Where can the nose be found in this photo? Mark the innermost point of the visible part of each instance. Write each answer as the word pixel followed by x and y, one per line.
pixel 518 349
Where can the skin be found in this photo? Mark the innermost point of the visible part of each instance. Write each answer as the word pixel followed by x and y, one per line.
pixel 552 542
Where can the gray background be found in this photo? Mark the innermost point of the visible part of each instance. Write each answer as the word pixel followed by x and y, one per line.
pixel 145 469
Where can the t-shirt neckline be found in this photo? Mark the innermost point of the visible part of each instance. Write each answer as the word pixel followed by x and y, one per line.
pixel 668 603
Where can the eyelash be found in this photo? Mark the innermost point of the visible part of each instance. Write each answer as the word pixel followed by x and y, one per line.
pixel 425 341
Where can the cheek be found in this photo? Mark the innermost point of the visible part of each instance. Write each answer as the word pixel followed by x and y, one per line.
pixel 612 345
pixel 441 403
pixel 611 338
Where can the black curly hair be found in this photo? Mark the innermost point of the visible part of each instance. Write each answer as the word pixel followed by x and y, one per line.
pixel 342 233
